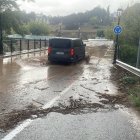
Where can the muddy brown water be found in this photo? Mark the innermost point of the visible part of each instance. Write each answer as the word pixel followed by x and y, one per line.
pixel 28 79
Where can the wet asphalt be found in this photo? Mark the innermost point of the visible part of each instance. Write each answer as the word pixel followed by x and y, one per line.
pixel 31 80
pixel 112 125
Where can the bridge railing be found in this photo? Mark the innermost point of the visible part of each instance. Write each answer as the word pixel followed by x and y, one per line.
pixel 14 47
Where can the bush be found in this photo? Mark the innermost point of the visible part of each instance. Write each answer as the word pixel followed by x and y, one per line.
pixel 38 28
pixel 135 96
pixel 129 80
pixel 136 100
pixel 100 33
pixel 128 54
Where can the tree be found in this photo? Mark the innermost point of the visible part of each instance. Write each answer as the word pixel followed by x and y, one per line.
pixel 100 33
pixel 94 21
pixel 6 5
pixel 23 30
pixel 98 16
pixel 38 28
pixel 131 24
pixel 129 38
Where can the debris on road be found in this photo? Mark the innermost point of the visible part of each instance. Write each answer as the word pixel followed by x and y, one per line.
pixel 114 99
pixel 44 88
pixel 2 131
pixel 57 91
pixel 33 116
pixel 76 106
pixel 87 88
pixel 38 102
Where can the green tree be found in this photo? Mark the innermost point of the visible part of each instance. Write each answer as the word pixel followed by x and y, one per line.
pixel 8 4
pixel 5 4
pixel 5 7
pixel 128 54
pixel 128 40
pixel 94 21
pixel 100 33
pixel 23 30
pixel 131 24
pixel 38 28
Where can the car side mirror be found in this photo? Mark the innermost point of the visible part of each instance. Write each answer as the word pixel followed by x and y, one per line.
pixel 84 45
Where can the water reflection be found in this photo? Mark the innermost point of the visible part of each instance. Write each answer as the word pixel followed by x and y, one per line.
pixel 12 69
pixel 8 72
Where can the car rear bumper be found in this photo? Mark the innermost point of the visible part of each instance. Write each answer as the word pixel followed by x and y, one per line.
pixel 61 59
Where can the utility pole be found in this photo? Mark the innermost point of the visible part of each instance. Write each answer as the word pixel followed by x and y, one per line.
pixel 138 56
pixel 118 31
pixel 79 32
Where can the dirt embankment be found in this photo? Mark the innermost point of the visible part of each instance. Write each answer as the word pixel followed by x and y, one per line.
pixel 128 84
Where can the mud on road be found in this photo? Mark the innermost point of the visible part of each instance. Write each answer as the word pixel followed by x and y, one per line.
pixel 79 106
pixel 73 106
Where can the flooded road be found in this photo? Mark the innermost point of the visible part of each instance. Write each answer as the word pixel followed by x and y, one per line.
pixel 27 79
pixel 64 101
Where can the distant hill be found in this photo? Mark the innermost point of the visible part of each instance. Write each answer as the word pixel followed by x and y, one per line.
pixel 95 18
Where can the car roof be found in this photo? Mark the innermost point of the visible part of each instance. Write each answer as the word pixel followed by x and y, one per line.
pixel 65 38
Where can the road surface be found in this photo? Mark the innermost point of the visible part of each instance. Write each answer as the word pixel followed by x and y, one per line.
pixel 69 100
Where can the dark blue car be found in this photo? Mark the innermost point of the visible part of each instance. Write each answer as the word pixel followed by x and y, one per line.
pixel 66 49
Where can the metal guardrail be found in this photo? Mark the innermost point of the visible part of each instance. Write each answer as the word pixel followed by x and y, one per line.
pixel 128 68
pixel 13 47
pixel 22 52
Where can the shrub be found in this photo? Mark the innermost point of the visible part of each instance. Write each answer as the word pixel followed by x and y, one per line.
pixel 128 54
pixel 135 96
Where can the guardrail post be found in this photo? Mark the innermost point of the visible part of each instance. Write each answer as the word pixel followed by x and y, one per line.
pixel 20 46
pixel 40 44
pixel 28 43
pixel 45 43
pixel 44 46
pixel 11 46
pixel 34 44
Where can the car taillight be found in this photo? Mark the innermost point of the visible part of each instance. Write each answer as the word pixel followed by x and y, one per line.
pixel 49 50
pixel 71 52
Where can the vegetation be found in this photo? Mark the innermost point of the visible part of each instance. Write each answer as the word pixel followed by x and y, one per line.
pixel 129 39
pixel 38 28
pixel 97 17
pixel 131 33
pixel 134 95
pixel 128 54
pixel 130 84
pixel 17 20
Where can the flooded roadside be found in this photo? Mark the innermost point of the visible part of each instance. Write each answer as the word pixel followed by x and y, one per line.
pixel 94 92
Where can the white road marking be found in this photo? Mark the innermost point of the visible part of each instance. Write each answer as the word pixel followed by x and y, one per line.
pixel 17 130
pixel 26 123
pixel 49 104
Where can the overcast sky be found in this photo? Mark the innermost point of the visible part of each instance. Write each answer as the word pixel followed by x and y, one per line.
pixel 66 7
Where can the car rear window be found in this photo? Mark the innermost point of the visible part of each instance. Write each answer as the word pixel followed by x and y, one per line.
pixel 60 43
pixel 78 43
